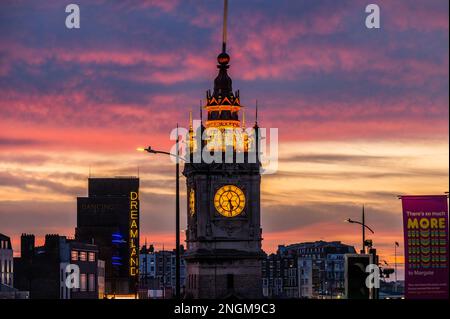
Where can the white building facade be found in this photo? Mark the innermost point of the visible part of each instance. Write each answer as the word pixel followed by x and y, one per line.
pixel 6 262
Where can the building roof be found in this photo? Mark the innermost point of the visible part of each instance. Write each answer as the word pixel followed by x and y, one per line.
pixel 7 239
pixel 317 244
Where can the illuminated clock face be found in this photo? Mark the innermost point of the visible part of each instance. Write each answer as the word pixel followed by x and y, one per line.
pixel 192 202
pixel 229 201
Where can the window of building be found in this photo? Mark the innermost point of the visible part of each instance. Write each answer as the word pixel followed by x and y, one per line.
pixel 265 282
pixel 91 282
pixel 74 255
pixel 91 256
pixel 83 282
pixel 83 256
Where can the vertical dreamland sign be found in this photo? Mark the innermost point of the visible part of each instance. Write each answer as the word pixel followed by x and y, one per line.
pixel 425 227
pixel 134 235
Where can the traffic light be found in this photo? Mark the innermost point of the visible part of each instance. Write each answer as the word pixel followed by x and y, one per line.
pixel 387 271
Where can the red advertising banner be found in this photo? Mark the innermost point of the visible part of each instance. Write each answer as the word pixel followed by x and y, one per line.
pixel 425 227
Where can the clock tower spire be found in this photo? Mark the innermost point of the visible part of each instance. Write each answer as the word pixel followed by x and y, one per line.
pixel 224 235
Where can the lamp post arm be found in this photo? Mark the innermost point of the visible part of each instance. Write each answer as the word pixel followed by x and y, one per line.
pixel 357 222
pixel 369 229
pixel 167 153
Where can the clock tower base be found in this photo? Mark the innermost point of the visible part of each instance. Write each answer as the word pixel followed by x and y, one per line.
pixel 223 274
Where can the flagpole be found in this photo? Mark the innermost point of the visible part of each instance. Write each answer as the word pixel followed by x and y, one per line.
pixel 395 261
pixel 395 266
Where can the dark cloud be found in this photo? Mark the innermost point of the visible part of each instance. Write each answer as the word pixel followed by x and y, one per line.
pixel 336 158
pixel 369 196
pixel 36 216
pixel 35 159
pixel 5 141
pixel 278 218
pixel 25 181
pixel 351 175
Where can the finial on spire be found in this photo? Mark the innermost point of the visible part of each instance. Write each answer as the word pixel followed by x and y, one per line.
pixel 243 118
pixel 190 120
pixel 201 111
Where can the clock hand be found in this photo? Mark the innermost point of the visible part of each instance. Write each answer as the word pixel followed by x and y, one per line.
pixel 231 205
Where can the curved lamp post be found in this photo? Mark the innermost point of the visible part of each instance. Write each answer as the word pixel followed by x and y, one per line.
pixel 177 211
pixel 364 226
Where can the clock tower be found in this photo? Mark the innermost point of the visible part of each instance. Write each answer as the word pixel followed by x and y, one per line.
pixel 223 236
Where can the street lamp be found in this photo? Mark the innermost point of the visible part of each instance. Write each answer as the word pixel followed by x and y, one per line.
pixel 364 226
pixel 177 210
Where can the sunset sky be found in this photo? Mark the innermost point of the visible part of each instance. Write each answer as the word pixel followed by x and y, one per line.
pixel 362 114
